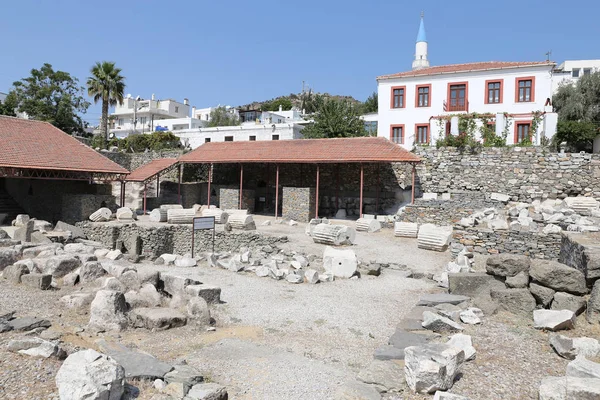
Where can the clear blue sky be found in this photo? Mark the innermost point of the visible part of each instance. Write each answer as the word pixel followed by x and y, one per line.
pixel 235 52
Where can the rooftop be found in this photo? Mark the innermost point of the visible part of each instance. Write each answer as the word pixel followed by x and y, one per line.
pixel 150 170
pixel 468 67
pixel 28 144
pixel 303 151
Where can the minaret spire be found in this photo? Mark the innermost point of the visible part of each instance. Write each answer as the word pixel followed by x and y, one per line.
pixel 421 60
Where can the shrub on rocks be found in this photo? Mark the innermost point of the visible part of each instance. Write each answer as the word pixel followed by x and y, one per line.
pixel 88 374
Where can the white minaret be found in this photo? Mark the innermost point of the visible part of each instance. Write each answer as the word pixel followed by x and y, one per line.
pixel 421 60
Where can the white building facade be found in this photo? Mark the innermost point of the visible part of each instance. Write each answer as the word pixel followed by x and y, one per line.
pixel 570 71
pixel 422 105
pixel 143 116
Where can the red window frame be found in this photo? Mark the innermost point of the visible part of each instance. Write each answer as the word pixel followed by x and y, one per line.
pixel 428 86
pixel 531 88
pixel 427 135
pixel 396 126
pixel 487 91
pixel 466 98
pixel 522 123
pixel 392 97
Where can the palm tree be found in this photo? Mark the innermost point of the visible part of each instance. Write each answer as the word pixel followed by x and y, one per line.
pixel 106 84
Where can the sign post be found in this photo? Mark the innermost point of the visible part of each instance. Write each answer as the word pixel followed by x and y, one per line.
pixel 203 223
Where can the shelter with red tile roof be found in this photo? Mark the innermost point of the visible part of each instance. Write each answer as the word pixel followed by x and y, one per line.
pixel 426 103
pixel 39 164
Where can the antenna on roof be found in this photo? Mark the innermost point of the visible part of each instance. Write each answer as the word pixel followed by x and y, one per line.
pixel 548 54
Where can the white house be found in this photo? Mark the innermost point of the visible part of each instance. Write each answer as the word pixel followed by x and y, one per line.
pixel 424 104
pixel 570 71
pixel 139 115
pixel 244 132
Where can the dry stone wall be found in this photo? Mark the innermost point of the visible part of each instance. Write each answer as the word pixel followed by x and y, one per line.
pixel 298 203
pixel 524 173
pixel 172 239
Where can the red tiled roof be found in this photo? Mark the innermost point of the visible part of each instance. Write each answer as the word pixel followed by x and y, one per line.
pixel 302 151
pixel 151 169
pixel 32 144
pixel 468 67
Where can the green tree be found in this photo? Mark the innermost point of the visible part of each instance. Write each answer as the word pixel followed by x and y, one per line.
pixel 8 106
pixel 371 104
pixel 579 101
pixel 220 116
pixel 107 85
pixel 311 102
pixel 578 134
pixel 51 96
pixel 273 105
pixel 335 119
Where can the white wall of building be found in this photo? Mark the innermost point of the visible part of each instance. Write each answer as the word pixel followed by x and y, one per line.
pixel 149 114
pixel 410 115
pixel 241 133
pixel 571 70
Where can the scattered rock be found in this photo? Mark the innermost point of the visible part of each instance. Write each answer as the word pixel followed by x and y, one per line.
pixel 516 301
pixel 354 390
pixel 542 294
pixel 432 367
pixel 294 278
pixel 197 308
pixel 78 301
pixel 13 273
pixel 212 294
pixel 441 298
pixel 385 374
pixel 88 374
pixel 469 317
pixel 507 264
pixel 107 311
pixel 566 301
pixel 185 262
pixel 437 323
pixel 553 320
pixel 558 276
pixel 311 276
pixel 464 343
pixel 569 348
pixel 36 347
pixel 28 323
pixel 60 265
pixel 448 396
pixel 340 263
pixel 8 257
pixel 207 391
pixel 519 281
pixel 157 318
pixel 568 388
pixel 90 271
pixel 401 340
pixel 388 352
pixel 185 375
pixel 114 255
pixel 137 365
pixel 593 306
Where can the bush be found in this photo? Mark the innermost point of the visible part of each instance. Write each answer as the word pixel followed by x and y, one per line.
pixel 141 141
pixel 579 135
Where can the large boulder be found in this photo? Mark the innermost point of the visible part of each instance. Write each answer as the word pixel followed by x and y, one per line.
pixel 581 367
pixel 79 301
pixel 37 281
pixel 569 388
pixel 566 301
pixel 557 276
pixel 542 294
pixel 157 318
pixel 507 265
pixel 593 306
pixel 175 285
pixel 197 309
pixel 36 347
pixel 8 257
pixel 472 283
pixel 13 273
pixel 554 320
pixel 88 374
pixel 340 263
pixel 90 271
pixel 437 323
pixel 432 367
pixel 570 348
pixel 516 301
pixel 212 294
pixel 59 266
pixel 107 311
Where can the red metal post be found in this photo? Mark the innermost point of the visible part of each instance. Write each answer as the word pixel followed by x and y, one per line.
pixel 179 184
pixel 210 167
pixel 317 195
pixel 361 190
pixel 337 189
pixel 377 190
pixel 241 183
pixel 157 185
pixel 276 191
pixel 267 188
pixel 145 189
pixel 412 198
pixel 122 193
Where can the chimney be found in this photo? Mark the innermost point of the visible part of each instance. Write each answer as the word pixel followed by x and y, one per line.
pixel 193 112
pixel 186 102
pixel 153 97
pixel 280 108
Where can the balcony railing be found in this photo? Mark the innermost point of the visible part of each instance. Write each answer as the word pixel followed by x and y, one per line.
pixel 456 105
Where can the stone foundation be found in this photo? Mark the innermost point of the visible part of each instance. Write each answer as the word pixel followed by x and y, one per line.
pixel 173 239
pixel 229 198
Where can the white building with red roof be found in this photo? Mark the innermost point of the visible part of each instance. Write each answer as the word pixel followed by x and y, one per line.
pixel 426 103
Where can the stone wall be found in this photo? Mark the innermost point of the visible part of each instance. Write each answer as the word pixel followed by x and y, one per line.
pixel 582 251
pixel 132 161
pixel 487 241
pixel 55 200
pixel 522 173
pixel 447 212
pixel 175 239
pixel 229 198
pixel 298 203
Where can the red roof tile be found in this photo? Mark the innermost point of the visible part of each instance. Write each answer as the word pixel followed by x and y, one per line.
pixel 151 169
pixel 39 145
pixel 468 67
pixel 302 151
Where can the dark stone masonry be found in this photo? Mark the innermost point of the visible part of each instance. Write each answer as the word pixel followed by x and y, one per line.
pixel 298 203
